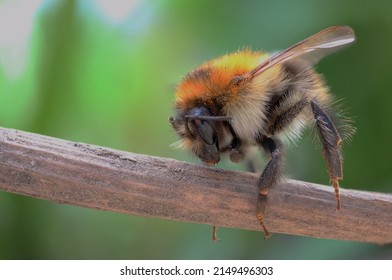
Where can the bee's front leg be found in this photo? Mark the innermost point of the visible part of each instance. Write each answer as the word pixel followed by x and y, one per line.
pixel 268 178
pixel 236 152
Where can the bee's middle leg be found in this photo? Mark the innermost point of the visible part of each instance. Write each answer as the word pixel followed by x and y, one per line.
pixel 268 178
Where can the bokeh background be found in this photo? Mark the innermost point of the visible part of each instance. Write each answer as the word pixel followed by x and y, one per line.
pixel 104 72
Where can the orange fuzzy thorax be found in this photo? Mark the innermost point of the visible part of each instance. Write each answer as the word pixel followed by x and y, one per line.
pixel 212 78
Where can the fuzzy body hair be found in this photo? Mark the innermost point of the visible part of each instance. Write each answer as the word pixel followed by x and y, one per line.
pixel 254 106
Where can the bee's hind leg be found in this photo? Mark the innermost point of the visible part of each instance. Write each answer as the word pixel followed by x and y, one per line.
pixel 268 178
pixel 331 142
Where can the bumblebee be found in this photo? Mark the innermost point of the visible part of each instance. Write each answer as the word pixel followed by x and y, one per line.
pixel 252 98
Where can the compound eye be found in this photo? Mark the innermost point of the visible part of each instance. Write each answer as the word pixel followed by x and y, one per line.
pixel 206 131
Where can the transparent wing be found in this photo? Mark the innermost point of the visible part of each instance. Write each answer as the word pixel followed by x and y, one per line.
pixel 310 50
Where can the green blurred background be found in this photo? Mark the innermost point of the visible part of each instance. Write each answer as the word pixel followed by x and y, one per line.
pixel 104 73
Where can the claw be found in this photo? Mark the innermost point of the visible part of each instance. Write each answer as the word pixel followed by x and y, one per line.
pixel 215 234
pixel 267 234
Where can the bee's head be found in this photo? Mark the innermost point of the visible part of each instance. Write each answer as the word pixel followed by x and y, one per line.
pixel 199 132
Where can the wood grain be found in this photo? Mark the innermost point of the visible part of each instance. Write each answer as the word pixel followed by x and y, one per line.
pixel 117 181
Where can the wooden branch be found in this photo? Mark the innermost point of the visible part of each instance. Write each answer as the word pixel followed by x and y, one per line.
pixel 103 178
